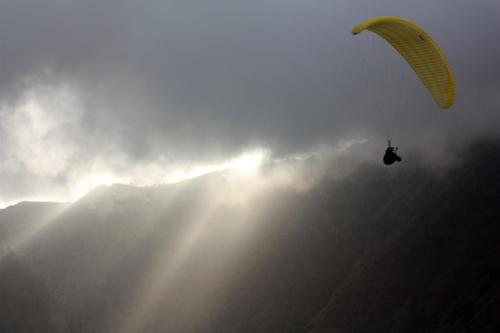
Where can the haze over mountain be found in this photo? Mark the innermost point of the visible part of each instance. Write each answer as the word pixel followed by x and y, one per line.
pixel 215 166
pixel 411 249
pixel 107 91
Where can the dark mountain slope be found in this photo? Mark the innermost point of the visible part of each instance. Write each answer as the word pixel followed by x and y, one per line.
pixel 402 249
pixel 436 265
pixel 17 219
pixel 25 304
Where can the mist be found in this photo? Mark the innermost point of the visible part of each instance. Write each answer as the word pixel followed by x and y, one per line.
pixel 102 92
pixel 360 248
pixel 217 167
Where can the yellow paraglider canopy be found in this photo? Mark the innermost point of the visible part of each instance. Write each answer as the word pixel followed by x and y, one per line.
pixel 419 49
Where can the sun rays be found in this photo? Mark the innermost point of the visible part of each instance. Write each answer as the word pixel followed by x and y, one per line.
pixel 19 240
pixel 174 262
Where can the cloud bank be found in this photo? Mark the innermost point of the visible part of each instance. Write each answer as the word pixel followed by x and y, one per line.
pixel 102 91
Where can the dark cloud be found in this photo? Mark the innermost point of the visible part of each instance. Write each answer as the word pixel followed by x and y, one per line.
pixel 197 81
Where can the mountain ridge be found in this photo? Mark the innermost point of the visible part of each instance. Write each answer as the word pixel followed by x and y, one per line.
pixel 378 250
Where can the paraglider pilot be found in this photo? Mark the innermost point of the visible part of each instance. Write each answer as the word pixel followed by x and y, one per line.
pixel 390 155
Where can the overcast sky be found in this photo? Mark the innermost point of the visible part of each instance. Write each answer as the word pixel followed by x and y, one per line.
pixel 118 90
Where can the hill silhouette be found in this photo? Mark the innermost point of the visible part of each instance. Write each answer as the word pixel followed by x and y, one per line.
pixel 406 249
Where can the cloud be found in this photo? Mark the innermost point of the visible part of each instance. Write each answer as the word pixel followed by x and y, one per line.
pixel 123 86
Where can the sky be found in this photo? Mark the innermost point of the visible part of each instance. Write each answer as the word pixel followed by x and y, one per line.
pixel 102 91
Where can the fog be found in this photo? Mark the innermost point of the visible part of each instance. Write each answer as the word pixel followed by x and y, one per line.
pixel 380 249
pixel 115 91
pixel 217 167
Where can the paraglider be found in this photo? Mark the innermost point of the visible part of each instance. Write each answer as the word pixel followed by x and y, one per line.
pixel 422 53
pixel 390 155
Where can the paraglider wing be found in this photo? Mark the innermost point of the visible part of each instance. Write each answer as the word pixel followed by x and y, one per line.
pixel 419 49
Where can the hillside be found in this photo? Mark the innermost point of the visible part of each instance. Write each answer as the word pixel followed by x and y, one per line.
pixel 406 249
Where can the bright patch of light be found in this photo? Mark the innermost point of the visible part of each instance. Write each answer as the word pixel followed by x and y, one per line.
pixel 247 161
pixel 86 184
pixel 44 144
